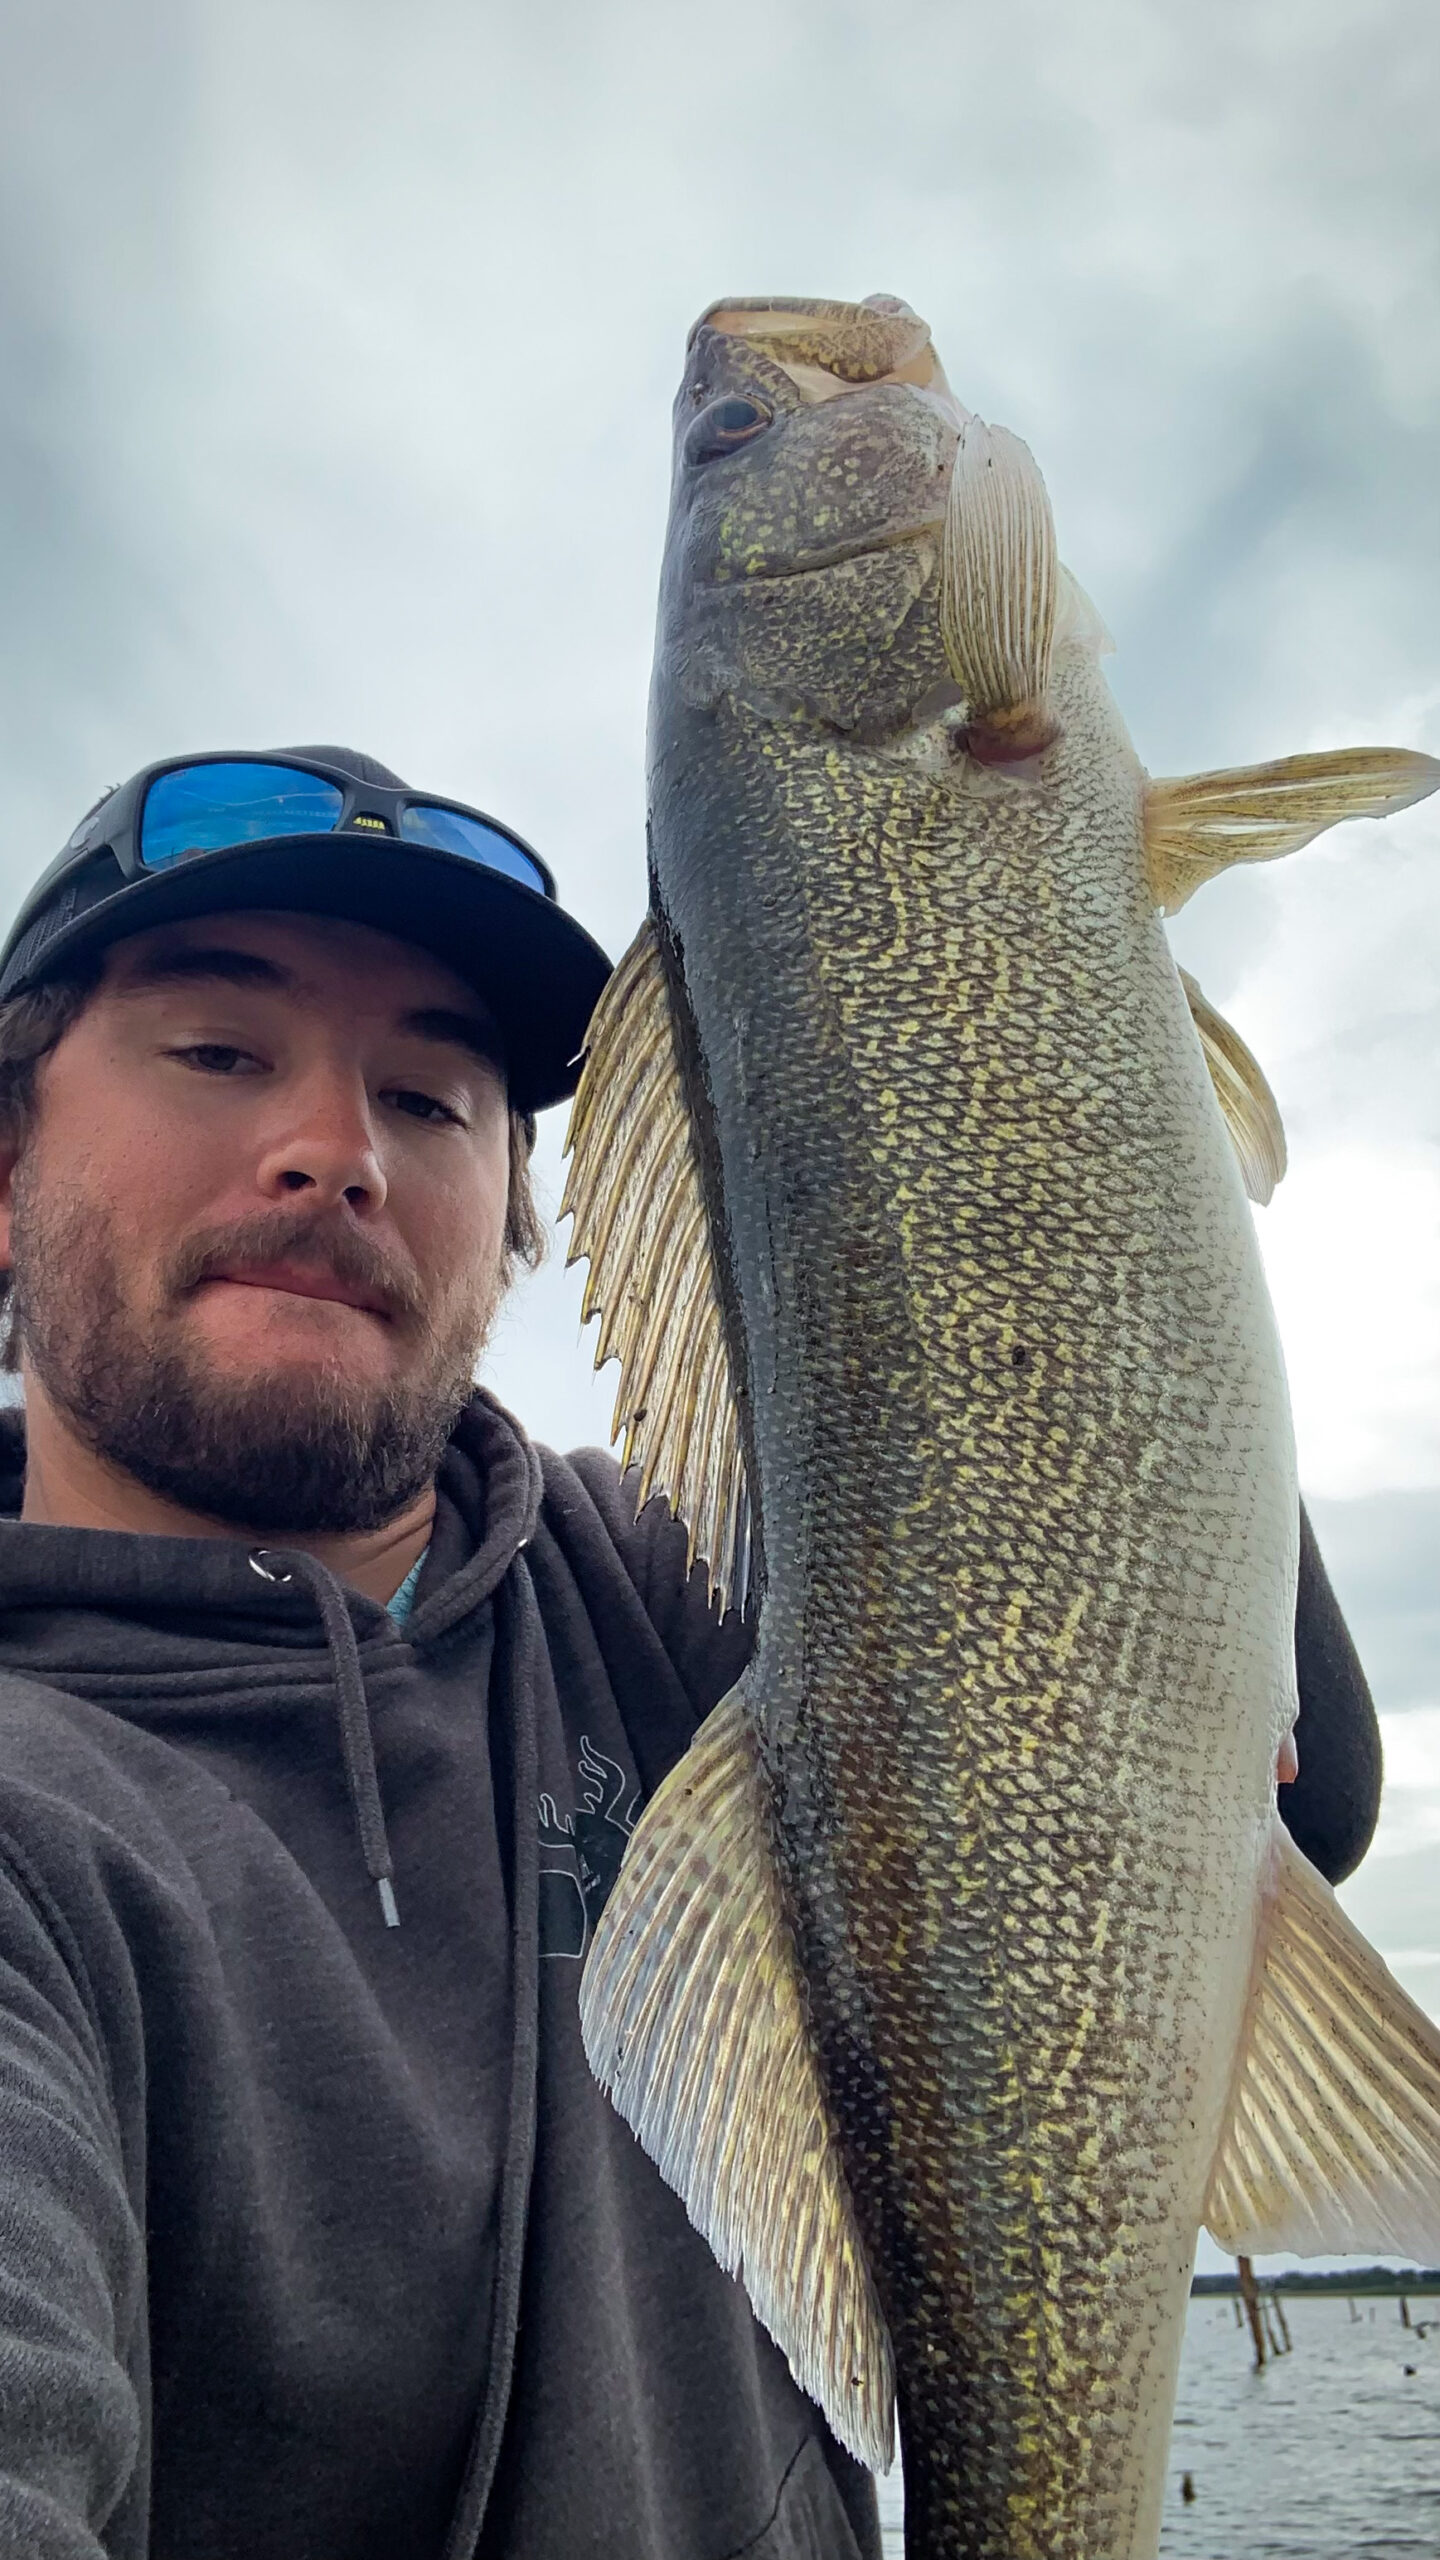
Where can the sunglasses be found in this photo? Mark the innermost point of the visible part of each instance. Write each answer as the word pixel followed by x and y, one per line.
pixel 213 804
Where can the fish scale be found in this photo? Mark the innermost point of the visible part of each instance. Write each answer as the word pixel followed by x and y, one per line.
pixel 921 1593
pixel 1004 1396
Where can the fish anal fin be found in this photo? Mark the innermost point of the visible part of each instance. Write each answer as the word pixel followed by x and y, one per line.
pixel 694 2021
pixel 1252 1114
pixel 1198 824
pixel 1333 2139
pixel 635 1194
pixel 999 585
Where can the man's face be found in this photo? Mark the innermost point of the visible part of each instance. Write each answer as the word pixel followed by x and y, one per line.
pixel 257 1234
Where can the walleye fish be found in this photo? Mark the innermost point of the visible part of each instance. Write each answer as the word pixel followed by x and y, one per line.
pixel 963 1969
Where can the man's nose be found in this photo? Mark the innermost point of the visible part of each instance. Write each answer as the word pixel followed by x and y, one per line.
pixel 326 1144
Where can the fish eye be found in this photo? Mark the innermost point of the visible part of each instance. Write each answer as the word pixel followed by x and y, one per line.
pixel 724 427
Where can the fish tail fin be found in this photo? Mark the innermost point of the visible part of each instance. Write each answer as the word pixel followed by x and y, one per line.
pixel 1333 2139
pixel 998 592
pixel 1197 824
pixel 693 2016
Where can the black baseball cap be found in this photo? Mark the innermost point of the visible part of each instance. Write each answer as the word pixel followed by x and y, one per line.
pixel 325 831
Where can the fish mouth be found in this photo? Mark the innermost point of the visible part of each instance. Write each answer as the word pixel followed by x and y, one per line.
pixel 861 547
pixel 828 348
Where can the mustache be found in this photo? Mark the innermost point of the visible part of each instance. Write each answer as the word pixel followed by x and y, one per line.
pixel 272 1236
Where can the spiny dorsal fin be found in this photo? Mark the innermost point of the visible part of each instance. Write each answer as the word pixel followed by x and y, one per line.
pixel 1252 1114
pixel 1333 2141
pixel 693 2015
pixel 998 587
pixel 1197 824
pixel 635 1196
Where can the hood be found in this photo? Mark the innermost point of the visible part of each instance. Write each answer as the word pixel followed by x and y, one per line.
pixel 101 1610
pixel 487 1501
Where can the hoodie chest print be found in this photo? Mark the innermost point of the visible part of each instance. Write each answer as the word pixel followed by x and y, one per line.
pixel 580 1852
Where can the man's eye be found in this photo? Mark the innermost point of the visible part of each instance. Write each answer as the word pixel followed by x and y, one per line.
pixel 421 1106
pixel 215 1057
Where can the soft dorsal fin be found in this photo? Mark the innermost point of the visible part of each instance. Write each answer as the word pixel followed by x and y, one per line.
pixel 694 2019
pixel 1197 824
pixel 1333 2141
pixel 635 1195
pixel 1252 1114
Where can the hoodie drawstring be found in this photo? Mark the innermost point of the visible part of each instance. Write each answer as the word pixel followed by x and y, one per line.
pixel 288 1565
pixel 518 1633
pixel 520 1646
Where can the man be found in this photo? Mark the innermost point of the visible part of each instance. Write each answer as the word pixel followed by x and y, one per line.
pixel 327 1704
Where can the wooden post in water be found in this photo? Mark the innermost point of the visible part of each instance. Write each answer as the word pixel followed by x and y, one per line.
pixel 1251 2300
pixel 1404 2312
pixel 1279 2309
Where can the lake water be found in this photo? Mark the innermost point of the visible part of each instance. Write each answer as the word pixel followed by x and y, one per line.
pixel 1330 2453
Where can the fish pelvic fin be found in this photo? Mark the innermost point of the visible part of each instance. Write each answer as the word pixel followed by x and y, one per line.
pixel 1333 2141
pixel 693 2015
pixel 1251 1112
pixel 634 1192
pixel 999 586
pixel 1198 824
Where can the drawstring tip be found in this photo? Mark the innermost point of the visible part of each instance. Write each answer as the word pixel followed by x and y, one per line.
pixel 388 1905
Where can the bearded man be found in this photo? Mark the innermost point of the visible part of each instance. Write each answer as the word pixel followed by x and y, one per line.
pixel 327 1704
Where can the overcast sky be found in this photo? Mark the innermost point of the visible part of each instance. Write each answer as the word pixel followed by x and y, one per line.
pixel 337 343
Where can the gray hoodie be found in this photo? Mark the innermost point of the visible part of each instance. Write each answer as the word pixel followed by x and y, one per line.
pixel 317 2240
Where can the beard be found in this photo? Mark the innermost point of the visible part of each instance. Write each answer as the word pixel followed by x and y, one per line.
pixel 291 1452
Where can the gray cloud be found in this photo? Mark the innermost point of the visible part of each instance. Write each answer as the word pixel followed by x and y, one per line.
pixel 340 344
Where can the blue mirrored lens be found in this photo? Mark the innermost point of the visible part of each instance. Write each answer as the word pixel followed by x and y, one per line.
pixel 202 808
pixel 450 832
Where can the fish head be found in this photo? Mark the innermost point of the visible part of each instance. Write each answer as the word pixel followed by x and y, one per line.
pixel 814 448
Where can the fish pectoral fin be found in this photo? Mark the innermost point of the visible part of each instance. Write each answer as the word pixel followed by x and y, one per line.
pixel 999 584
pixel 1333 2141
pixel 635 1195
pixel 1252 1114
pixel 693 2015
pixel 1197 824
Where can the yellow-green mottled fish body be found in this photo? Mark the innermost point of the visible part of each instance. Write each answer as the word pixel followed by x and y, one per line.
pixel 1014 1427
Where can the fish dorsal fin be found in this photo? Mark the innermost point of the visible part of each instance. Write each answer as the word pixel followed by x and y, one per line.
pixel 1333 2141
pixel 1199 823
pixel 1252 1114
pixel 635 1195
pixel 693 2015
